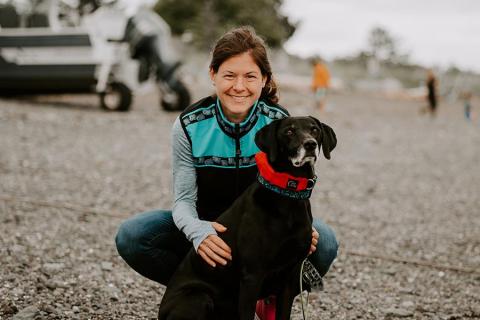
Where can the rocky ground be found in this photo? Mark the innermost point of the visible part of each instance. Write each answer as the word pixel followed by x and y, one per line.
pixel 402 192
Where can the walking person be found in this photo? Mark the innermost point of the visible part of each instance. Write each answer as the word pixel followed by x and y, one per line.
pixel 467 105
pixel 320 83
pixel 431 92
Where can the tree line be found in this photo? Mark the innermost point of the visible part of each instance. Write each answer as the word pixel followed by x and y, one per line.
pixel 205 20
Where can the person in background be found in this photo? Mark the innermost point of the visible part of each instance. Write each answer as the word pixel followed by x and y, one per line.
pixel 320 83
pixel 213 162
pixel 431 92
pixel 467 105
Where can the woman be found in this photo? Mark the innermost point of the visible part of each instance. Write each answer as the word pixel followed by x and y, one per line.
pixel 213 163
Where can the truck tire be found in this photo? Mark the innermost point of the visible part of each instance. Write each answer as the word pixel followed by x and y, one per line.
pixel 117 97
pixel 178 99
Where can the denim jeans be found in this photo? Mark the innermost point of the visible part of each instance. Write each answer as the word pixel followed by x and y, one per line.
pixel 153 246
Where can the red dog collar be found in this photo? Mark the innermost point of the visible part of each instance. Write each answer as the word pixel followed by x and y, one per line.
pixel 281 180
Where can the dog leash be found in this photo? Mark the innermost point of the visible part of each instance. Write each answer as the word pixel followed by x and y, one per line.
pixel 304 307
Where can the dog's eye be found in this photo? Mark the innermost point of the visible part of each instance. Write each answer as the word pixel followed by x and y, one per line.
pixel 289 132
pixel 314 130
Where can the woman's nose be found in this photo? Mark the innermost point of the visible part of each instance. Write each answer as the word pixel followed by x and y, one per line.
pixel 239 84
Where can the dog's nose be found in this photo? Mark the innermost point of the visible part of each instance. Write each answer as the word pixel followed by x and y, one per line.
pixel 310 145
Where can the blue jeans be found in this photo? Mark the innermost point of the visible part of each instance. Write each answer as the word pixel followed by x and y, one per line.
pixel 153 246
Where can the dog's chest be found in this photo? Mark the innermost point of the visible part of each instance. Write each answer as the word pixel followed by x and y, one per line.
pixel 295 243
pixel 288 240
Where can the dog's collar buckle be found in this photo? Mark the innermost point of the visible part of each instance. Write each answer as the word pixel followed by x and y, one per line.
pixel 311 183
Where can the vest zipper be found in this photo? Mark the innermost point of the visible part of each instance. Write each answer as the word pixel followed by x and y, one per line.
pixel 238 152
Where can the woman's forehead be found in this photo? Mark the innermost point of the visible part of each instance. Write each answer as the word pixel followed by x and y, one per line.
pixel 243 62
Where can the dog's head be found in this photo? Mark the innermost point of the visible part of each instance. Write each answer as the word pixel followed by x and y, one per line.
pixel 296 141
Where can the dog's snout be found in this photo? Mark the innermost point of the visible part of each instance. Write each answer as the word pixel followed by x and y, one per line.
pixel 310 145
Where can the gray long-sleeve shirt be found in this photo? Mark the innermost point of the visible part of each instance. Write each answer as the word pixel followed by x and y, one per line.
pixel 184 210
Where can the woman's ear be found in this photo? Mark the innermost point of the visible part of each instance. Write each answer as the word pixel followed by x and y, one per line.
pixel 212 75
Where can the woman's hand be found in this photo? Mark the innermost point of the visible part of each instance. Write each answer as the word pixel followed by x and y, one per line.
pixel 313 245
pixel 213 249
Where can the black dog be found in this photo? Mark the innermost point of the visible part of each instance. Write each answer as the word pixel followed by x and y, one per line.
pixel 269 230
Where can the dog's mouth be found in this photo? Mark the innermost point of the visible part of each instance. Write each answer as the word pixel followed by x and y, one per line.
pixel 304 157
pixel 300 163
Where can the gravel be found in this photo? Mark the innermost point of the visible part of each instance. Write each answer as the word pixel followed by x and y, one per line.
pixel 401 191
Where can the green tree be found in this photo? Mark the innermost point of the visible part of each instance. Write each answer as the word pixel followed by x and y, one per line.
pixel 381 44
pixel 384 47
pixel 206 20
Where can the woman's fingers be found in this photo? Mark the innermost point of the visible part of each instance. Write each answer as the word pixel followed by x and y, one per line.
pixel 218 241
pixel 315 237
pixel 210 252
pixel 205 257
pixel 221 247
pixel 313 245
pixel 208 255
pixel 219 227
pixel 215 249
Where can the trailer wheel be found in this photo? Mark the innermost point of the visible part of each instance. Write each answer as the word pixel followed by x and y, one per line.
pixel 117 97
pixel 177 99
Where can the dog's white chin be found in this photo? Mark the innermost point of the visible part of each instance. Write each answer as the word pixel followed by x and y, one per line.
pixel 301 158
pixel 299 163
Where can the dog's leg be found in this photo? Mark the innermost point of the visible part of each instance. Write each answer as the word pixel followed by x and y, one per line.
pixel 193 306
pixel 287 295
pixel 250 287
pixel 284 304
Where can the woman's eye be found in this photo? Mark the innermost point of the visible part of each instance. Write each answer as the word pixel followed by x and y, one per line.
pixel 228 76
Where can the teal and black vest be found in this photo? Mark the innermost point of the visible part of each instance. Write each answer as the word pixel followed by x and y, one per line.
pixel 224 152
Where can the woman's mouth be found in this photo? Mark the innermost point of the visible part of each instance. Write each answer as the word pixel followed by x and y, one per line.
pixel 238 98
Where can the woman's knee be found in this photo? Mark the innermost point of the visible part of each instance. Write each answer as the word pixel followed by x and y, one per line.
pixel 127 238
pixel 135 234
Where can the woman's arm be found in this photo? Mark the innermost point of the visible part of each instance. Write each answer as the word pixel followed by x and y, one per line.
pixel 184 211
pixel 202 233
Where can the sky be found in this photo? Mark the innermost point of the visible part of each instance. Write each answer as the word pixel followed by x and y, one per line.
pixel 435 33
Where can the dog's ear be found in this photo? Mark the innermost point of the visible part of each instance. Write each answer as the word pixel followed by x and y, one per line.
pixel 328 139
pixel 266 140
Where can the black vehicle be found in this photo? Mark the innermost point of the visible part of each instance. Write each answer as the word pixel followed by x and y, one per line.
pixel 106 53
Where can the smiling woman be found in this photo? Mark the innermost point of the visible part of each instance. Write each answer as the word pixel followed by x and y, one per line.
pixel 213 147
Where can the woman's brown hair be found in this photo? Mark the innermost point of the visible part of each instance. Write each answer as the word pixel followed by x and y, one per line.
pixel 240 40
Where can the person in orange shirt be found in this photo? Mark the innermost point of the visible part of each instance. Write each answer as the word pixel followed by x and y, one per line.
pixel 320 82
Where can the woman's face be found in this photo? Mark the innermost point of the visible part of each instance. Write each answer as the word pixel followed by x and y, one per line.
pixel 238 84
